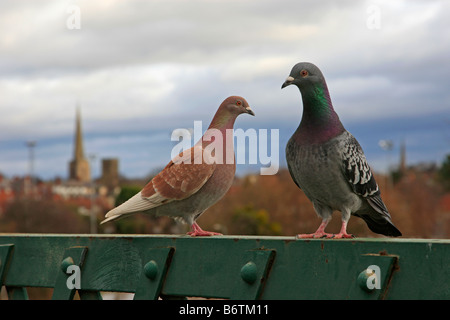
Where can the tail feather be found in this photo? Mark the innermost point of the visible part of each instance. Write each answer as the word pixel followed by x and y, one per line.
pixel 378 222
pixel 378 218
pixel 134 204
pixel 381 225
pixel 116 217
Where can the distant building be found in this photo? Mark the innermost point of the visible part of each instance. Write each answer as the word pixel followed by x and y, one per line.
pixel 79 167
pixel 6 193
pixel 72 189
pixel 110 173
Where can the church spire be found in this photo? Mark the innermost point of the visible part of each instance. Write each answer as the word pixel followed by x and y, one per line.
pixel 79 167
pixel 79 152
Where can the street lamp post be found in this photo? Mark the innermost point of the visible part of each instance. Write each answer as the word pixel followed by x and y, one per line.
pixel 387 145
pixel 30 144
pixel 93 218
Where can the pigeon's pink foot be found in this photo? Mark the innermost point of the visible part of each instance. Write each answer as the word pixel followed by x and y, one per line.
pixel 315 235
pixel 203 233
pixel 343 236
pixel 343 233
pixel 320 232
pixel 199 232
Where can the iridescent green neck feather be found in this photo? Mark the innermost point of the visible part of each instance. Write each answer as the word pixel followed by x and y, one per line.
pixel 319 121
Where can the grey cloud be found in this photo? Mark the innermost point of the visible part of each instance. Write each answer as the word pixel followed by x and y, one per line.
pixel 138 66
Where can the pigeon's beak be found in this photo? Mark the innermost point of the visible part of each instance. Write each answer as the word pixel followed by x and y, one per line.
pixel 288 81
pixel 249 111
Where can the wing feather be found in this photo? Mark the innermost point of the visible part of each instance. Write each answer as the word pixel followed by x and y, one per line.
pixel 359 175
pixel 181 178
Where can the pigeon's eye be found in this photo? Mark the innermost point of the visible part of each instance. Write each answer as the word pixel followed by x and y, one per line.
pixel 238 103
pixel 303 73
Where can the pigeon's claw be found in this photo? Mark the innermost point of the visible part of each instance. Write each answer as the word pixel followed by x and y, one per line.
pixel 343 236
pixel 315 235
pixel 199 232
pixel 343 233
pixel 320 232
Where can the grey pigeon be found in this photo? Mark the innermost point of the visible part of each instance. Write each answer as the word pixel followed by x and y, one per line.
pixel 328 164
pixel 196 179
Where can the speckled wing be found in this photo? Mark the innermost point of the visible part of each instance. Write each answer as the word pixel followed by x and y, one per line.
pixel 359 175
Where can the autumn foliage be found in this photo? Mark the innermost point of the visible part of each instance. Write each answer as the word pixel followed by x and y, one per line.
pixel 255 205
pixel 417 203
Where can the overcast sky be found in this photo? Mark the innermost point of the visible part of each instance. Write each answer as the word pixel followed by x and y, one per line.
pixel 140 69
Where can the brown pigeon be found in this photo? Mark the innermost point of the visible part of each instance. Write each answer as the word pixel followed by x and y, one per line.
pixel 196 179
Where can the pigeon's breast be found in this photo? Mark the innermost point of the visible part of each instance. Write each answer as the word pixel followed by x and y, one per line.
pixel 211 192
pixel 219 183
pixel 317 170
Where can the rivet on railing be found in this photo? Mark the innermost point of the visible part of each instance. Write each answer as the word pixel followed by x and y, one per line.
pixel 151 269
pixel 249 272
pixel 66 263
pixel 367 280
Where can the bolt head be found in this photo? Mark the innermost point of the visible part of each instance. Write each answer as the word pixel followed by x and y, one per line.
pixel 151 269
pixel 249 272
pixel 362 281
pixel 66 263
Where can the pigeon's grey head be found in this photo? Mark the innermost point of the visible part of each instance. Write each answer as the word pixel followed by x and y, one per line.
pixel 237 105
pixel 305 75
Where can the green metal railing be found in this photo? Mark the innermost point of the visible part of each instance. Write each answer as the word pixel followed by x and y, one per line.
pixel 234 267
